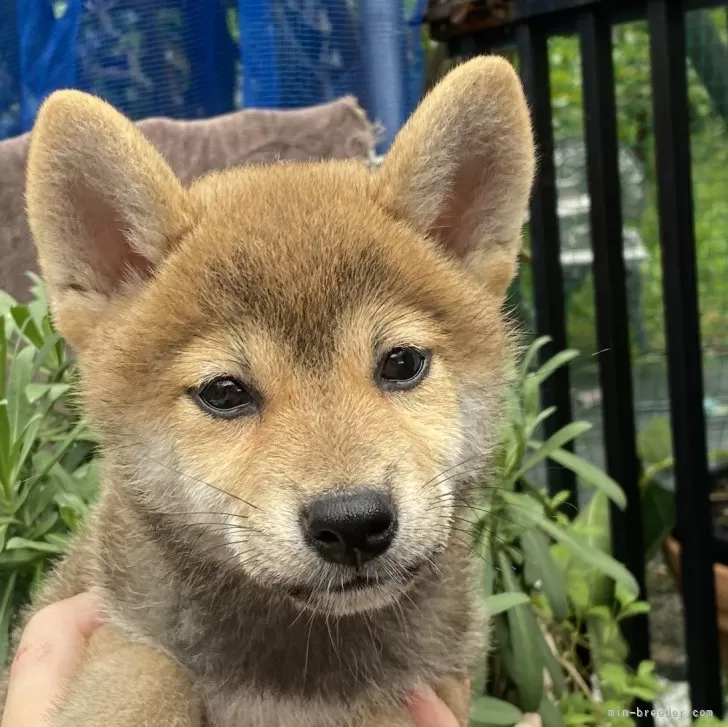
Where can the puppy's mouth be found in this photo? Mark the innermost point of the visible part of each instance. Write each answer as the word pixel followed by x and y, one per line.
pixel 360 583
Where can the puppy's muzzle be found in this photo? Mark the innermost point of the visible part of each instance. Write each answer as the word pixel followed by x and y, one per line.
pixel 350 528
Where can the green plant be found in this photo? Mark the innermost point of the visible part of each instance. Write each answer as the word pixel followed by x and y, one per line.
pixel 549 582
pixel 709 145
pixel 47 468
pixel 550 585
pixel 654 446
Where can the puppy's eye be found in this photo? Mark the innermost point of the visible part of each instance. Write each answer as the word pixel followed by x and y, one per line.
pixel 403 368
pixel 225 398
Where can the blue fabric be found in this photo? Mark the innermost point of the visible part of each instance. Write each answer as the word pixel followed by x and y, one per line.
pixel 212 54
pixel 296 54
pixel 47 51
pixel 259 55
pixel 198 58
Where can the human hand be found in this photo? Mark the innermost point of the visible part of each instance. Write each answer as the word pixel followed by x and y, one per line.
pixel 53 644
pixel 428 710
pixel 50 649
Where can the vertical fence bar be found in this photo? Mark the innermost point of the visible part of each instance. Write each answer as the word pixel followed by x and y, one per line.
pixel 677 235
pixel 545 248
pixel 615 373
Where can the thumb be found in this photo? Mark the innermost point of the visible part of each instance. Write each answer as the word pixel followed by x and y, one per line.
pixel 428 710
pixel 50 649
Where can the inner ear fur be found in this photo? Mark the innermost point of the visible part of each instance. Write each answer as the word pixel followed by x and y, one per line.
pixel 461 169
pixel 104 207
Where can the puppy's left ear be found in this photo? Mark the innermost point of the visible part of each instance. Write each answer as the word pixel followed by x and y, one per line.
pixel 461 169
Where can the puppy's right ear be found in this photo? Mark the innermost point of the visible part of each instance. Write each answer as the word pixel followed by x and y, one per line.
pixel 103 206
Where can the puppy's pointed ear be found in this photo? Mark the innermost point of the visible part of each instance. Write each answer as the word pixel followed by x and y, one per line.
pixel 461 169
pixel 103 206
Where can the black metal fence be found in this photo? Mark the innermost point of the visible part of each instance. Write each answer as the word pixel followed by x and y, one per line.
pixel 527 26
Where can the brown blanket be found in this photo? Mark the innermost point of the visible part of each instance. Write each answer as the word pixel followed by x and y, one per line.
pixel 334 130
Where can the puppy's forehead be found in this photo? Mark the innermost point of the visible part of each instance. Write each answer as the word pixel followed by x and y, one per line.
pixel 294 249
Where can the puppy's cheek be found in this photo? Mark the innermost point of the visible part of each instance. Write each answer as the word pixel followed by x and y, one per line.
pixel 275 545
pixel 424 530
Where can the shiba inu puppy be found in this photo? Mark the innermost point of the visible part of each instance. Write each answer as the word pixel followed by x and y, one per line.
pixel 296 372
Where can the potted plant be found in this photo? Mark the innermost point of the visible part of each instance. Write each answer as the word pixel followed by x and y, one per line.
pixel 658 499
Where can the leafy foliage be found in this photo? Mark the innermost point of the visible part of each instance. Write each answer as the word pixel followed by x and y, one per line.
pixel 47 469
pixel 550 584
pixel 709 145
pixel 659 514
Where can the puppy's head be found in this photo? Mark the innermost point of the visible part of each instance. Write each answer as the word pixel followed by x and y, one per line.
pixel 295 367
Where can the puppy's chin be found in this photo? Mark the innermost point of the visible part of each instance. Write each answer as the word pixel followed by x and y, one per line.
pixel 349 603
pixel 357 595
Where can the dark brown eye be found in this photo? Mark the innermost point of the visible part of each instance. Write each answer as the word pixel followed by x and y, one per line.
pixel 226 398
pixel 403 368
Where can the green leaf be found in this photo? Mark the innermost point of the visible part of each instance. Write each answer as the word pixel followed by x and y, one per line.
pixel 600 612
pixel 24 321
pixel 488 711
pixel 614 675
pixel 3 357
pixel 542 416
pixel 6 613
pixel 536 552
pixel 559 499
pixel 5 448
pixel 13 559
pixel 579 595
pixel 18 379
pixel 638 608
pixel 554 442
pixel 52 343
pixel 654 442
pixel 37 391
pixel 502 642
pixel 578 720
pixel 501 602
pixel 60 541
pixel 550 714
pixel 72 508
pixel 596 558
pixel 6 303
pixel 488 576
pixel 531 405
pixel 553 364
pixel 39 545
pixel 658 517
pixel 26 441
pixel 532 353
pixel 594 523
pixel 589 474
pixel 646 669
pixel 528 665
pixel 66 444
pixel 577 545
pixel 555 670
pixel 43 524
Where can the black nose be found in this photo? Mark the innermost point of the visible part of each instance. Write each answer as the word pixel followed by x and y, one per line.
pixel 351 527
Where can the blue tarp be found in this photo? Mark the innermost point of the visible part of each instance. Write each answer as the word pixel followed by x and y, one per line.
pixel 196 58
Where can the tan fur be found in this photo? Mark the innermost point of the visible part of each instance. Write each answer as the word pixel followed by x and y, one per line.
pixel 294 279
